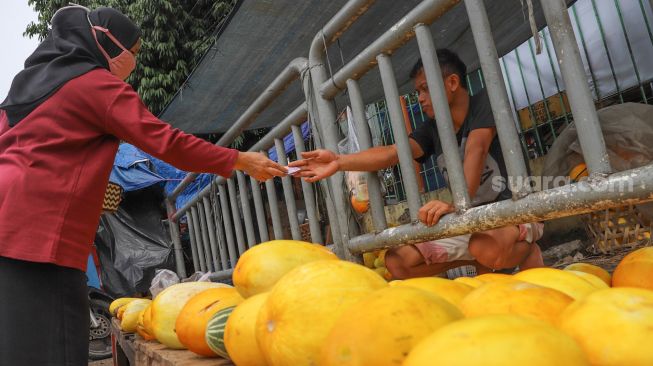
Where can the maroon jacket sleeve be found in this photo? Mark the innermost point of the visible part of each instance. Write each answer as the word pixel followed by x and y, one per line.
pixel 128 119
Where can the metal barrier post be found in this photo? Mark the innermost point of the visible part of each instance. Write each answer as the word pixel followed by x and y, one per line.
pixel 247 211
pixel 211 229
pixel 325 117
pixel 443 118
pixel 307 189
pixel 401 135
pixel 580 98
pixel 223 252
pixel 235 214
pixel 205 238
pixel 228 227
pixel 193 244
pixel 288 192
pixel 274 206
pixel 498 95
pixel 261 219
pixel 176 241
pixel 198 238
pixel 365 142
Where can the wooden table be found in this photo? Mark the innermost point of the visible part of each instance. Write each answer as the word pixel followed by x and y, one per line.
pixel 152 353
pixel 130 349
pixel 122 345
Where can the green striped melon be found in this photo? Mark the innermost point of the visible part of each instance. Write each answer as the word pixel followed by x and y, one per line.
pixel 215 331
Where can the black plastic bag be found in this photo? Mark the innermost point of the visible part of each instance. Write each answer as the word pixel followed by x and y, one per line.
pixel 133 242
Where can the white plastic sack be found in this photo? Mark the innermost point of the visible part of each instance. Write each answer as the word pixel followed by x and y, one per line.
pixel 627 130
pixel 162 279
pixel 356 181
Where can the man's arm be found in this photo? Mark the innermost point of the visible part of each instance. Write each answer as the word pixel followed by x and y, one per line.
pixel 476 151
pixel 320 164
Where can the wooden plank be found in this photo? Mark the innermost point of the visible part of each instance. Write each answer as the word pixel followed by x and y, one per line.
pixel 152 353
pixel 123 340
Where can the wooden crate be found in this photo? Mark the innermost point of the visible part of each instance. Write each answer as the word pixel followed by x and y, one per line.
pixel 539 116
pixel 616 228
pixel 152 353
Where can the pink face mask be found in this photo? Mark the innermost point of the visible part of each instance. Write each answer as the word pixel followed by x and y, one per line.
pixel 121 65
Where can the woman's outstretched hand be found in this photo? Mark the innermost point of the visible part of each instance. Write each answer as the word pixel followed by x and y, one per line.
pixel 258 166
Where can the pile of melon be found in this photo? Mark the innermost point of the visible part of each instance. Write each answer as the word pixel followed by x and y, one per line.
pixel 376 260
pixel 295 303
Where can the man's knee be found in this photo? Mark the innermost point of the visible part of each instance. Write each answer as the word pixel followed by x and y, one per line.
pixel 487 253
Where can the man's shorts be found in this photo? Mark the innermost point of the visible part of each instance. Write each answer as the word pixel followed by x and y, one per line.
pixel 457 247
pixel 446 250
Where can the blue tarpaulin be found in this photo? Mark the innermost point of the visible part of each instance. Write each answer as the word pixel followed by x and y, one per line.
pixel 174 176
pixel 133 169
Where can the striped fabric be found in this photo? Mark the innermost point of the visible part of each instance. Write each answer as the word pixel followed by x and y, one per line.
pixel 112 197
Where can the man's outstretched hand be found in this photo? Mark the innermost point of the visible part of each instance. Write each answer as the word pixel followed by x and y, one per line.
pixel 316 165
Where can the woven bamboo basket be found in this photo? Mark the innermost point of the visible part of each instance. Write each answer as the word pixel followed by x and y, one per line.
pixel 616 228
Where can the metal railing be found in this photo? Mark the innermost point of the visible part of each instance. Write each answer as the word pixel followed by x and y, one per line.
pixel 218 234
pixel 538 132
pixel 525 206
pixel 215 225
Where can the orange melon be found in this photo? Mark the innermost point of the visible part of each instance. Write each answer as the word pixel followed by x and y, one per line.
pixel 191 322
pixel 635 270
pixel 452 291
pixel 261 266
pixel 591 269
pixel 497 340
pixel 516 298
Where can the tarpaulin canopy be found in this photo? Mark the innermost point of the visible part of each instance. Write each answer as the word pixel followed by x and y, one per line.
pixel 262 37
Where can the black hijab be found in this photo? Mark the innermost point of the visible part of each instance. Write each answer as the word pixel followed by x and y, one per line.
pixel 67 52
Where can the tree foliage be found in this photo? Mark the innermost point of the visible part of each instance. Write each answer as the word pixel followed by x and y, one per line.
pixel 176 33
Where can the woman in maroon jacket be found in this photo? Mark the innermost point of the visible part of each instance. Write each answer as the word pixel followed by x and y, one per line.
pixel 60 127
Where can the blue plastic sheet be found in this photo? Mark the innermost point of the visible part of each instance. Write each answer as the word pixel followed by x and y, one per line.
pixel 133 169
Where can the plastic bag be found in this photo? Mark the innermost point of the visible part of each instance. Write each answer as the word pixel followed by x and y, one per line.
pixel 199 277
pixel 133 243
pixel 205 277
pixel 356 181
pixel 627 130
pixel 163 279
